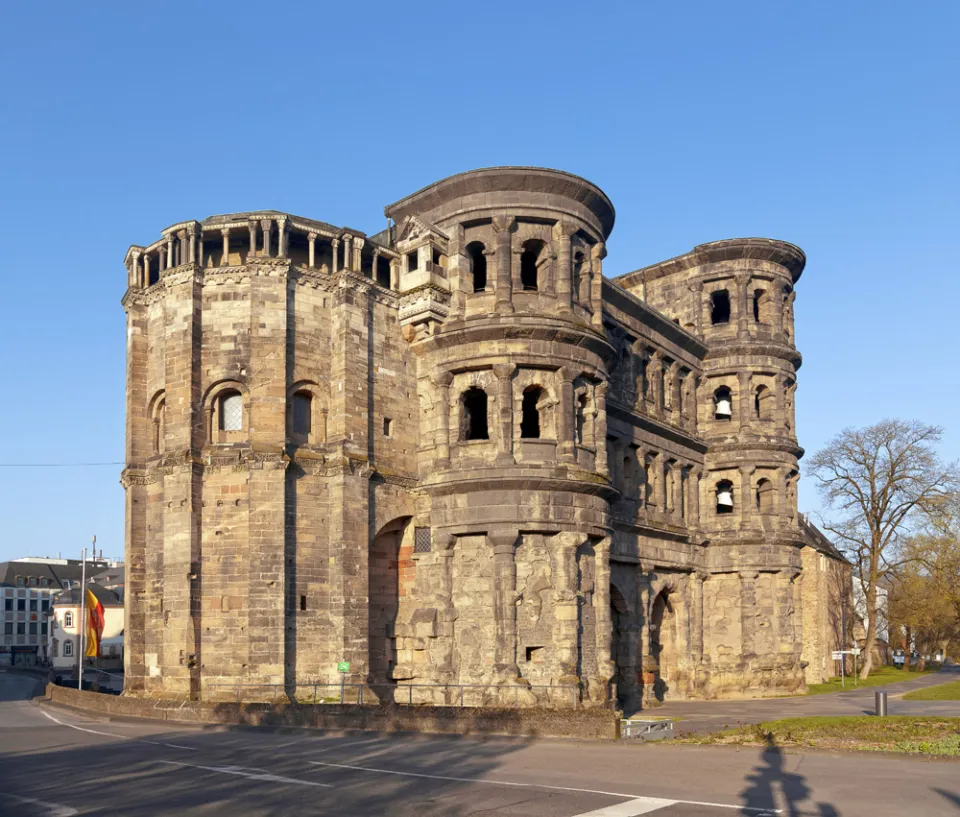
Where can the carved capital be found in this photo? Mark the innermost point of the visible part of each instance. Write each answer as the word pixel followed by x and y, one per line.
pixel 567 374
pixel 598 251
pixel 504 370
pixel 442 378
pixel 563 230
pixel 503 541
pixel 503 223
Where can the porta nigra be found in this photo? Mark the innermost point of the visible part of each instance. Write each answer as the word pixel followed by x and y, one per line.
pixel 455 453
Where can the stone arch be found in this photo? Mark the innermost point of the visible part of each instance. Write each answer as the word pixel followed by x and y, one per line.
pixel 316 433
pixel 476 252
pixel 156 411
pixel 663 638
pixel 213 400
pixel 388 570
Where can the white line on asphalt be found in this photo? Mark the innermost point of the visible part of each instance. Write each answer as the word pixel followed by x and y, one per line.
pixel 117 737
pixel 631 808
pixel 53 809
pixel 759 811
pixel 253 774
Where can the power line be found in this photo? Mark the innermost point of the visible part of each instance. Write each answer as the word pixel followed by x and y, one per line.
pixel 56 464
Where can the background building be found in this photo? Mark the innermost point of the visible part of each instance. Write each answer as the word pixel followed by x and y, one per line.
pixel 66 627
pixel 453 452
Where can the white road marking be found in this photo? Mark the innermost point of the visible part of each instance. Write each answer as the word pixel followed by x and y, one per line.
pixel 253 774
pixel 111 735
pixel 761 812
pixel 631 808
pixel 53 809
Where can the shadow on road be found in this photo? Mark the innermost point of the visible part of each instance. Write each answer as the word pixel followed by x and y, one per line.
pixel 772 787
pixel 953 798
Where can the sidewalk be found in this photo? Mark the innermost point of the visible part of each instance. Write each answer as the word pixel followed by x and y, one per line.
pixel 711 716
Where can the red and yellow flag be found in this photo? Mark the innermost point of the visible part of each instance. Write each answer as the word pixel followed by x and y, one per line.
pixel 95 621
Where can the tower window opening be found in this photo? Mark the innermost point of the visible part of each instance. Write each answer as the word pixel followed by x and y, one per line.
pixel 303 604
pixel 720 307
pixel 412 260
pixel 764 496
pixel 724 496
pixel 761 403
pixel 478 262
pixel 530 420
pixel 581 417
pixel 474 403
pixel 383 271
pixel 577 273
pixel 529 259
pixel 722 404
pixel 302 411
pixel 231 411
pixel 758 301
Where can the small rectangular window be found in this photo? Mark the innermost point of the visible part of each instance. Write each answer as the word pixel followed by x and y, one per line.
pixel 33 581
pixel 21 605
pixel 43 628
pixel 21 628
pixel 387 426
pixel 412 260
pixel 303 604
pixel 45 605
pixel 421 540
pixel 302 405
pixel 68 648
pixel 33 605
pixel 8 604
pixel 33 628
pixel 8 628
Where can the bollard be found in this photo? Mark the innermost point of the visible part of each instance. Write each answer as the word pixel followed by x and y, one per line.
pixel 880 704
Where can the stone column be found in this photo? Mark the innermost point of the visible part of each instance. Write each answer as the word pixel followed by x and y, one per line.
pixel 748 614
pixel 598 253
pixel 602 465
pixel 743 285
pixel 358 243
pixel 253 239
pixel 504 604
pixel 566 605
pixel 776 300
pixel 691 402
pixel 655 376
pixel 675 387
pixel 617 475
pixel 373 267
pixel 348 252
pixel 504 374
pixel 780 498
pixel 448 611
pixel 547 272
pixel 394 275
pixel 266 226
pixel 697 290
pixel 170 263
pixel 182 245
pixel 225 258
pixel 780 396
pixel 335 262
pixel 161 258
pixel 603 623
pixel 193 248
pixel 693 497
pixel 503 228
pixel 583 292
pixel 311 250
pixel 442 381
pixel 282 237
pixel 562 231
pixel 745 403
pixel 747 498
pixel 566 427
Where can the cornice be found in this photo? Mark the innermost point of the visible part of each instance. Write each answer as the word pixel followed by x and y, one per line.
pixel 654 426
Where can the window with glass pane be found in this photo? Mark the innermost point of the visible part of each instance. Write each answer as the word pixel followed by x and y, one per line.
pixel 301 412
pixel 231 412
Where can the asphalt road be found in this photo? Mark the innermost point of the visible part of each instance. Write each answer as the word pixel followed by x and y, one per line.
pixel 711 716
pixel 58 763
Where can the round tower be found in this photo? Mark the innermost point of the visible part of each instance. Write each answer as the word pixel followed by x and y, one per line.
pixel 500 298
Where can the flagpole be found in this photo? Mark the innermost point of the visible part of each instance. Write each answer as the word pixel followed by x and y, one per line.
pixel 80 624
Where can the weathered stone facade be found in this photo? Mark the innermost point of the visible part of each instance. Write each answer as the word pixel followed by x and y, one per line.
pixel 454 453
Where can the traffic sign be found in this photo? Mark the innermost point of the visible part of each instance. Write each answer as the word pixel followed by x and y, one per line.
pixel 343 666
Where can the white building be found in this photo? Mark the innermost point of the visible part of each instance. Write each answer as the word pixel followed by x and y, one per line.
pixel 66 629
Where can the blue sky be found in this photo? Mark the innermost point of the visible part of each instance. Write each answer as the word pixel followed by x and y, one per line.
pixel 831 125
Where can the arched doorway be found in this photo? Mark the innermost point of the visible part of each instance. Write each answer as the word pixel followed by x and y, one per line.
pixel 619 650
pixel 662 643
pixel 384 599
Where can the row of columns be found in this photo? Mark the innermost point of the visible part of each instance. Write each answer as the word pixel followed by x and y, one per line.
pixel 184 246
pixel 743 402
pixel 683 505
pixel 783 298
pixel 507 258
pixel 504 373
pixel 745 505
pixel 666 390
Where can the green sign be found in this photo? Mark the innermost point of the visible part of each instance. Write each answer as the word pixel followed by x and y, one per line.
pixel 343 666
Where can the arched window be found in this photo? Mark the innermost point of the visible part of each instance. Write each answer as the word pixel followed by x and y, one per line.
pixel 474 418
pixel 231 411
pixel 302 412
pixel 530 419
pixel 724 496
pixel 762 405
pixel 478 263
pixel 764 496
pixel 720 307
pixel 159 425
pixel 581 417
pixel 630 487
pixel 529 259
pixel 722 404
pixel 758 304
pixel 68 619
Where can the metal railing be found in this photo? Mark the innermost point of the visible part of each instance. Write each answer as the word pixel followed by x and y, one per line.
pixel 456 695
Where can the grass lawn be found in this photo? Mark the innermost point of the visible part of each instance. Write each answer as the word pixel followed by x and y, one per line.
pixel 878 677
pixel 941 692
pixel 925 735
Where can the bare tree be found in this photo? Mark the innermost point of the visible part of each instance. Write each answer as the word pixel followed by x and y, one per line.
pixel 883 481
